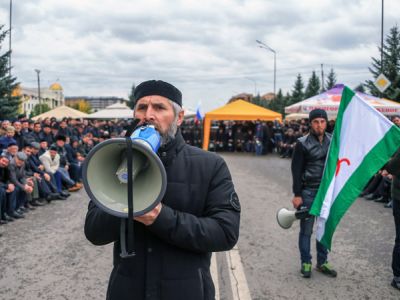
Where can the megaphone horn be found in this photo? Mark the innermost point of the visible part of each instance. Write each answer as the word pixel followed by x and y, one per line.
pixel 105 173
pixel 285 217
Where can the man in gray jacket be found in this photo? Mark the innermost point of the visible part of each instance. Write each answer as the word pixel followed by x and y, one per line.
pixel 23 185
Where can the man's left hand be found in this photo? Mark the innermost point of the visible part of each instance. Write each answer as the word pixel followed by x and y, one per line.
pixel 149 218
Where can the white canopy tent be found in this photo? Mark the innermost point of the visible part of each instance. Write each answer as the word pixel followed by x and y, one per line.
pixel 114 111
pixel 60 113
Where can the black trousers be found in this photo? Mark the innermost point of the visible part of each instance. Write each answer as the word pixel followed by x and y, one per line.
pixel 396 248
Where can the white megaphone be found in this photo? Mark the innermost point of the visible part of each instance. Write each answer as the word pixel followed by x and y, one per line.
pixel 286 217
pixel 105 173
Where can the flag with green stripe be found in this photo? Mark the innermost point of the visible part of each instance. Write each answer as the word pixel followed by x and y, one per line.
pixel 362 142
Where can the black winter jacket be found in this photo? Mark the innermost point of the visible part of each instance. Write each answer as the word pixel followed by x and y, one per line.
pixel 393 167
pixel 200 215
pixel 308 162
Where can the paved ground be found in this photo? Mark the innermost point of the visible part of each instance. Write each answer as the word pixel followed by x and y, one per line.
pixel 46 255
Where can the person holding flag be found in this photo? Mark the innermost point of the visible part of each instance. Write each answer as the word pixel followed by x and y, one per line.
pixel 393 167
pixel 307 167
pixel 354 157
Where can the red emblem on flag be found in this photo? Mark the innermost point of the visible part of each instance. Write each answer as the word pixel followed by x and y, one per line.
pixel 338 164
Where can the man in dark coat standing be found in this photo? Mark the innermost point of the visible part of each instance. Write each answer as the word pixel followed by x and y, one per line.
pixel 198 215
pixel 393 167
pixel 307 168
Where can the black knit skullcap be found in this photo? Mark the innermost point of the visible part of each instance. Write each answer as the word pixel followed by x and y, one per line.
pixel 160 88
pixel 317 113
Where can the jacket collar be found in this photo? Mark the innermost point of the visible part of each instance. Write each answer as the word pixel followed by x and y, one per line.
pixel 168 152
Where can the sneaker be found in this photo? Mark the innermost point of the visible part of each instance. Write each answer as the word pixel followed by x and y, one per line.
pixel 396 284
pixel 306 270
pixel 327 269
pixel 389 205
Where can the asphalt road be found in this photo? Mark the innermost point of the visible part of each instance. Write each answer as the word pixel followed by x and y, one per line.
pixel 46 256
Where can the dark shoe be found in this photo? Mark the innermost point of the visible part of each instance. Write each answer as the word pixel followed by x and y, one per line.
pixel 2 222
pixel 389 204
pixel 58 197
pixel 65 194
pixel 21 211
pixel 36 203
pixel 327 269
pixel 7 218
pixel 41 201
pixel 306 270
pixel 381 199
pixel 396 284
pixel 370 197
pixel 16 215
pixel 29 206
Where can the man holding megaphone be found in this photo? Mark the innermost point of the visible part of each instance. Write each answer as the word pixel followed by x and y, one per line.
pixel 307 168
pixel 174 238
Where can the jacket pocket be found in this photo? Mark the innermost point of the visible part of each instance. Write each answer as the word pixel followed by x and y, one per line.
pixel 183 289
pixel 123 287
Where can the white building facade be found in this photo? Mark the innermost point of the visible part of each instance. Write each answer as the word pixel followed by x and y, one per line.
pixel 53 96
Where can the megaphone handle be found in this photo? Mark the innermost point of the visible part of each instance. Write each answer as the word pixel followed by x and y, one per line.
pixel 127 246
pixel 124 253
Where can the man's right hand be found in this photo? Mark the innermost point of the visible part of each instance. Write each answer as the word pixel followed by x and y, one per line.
pixel 28 189
pixel 10 188
pixel 297 202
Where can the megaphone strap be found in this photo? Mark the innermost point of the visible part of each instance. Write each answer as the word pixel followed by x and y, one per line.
pixel 127 245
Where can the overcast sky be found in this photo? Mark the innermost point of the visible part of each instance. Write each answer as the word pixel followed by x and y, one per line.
pixel 206 48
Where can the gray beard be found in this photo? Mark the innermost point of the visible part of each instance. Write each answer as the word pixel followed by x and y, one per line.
pixel 170 134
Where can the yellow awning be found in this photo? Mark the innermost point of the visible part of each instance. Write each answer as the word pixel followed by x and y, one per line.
pixel 239 110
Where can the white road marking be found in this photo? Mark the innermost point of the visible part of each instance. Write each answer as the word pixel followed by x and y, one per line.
pixel 214 274
pixel 240 288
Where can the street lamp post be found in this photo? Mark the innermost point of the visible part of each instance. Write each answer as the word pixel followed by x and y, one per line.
pixel 9 41
pixel 255 85
pixel 38 82
pixel 264 46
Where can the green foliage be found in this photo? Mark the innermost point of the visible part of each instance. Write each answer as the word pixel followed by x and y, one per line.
pixel 331 79
pixel 390 67
pixel 83 106
pixel 360 88
pixel 39 109
pixel 298 91
pixel 131 102
pixel 9 103
pixel 313 86
pixel 278 103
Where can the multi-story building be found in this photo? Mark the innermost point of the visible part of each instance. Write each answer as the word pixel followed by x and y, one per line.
pixel 96 103
pixel 52 96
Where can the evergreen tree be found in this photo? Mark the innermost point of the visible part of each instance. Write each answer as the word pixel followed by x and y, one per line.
pixel 9 103
pixel 39 109
pixel 278 103
pixel 331 79
pixel 298 93
pixel 313 86
pixel 131 102
pixel 360 88
pixel 287 100
pixel 390 67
